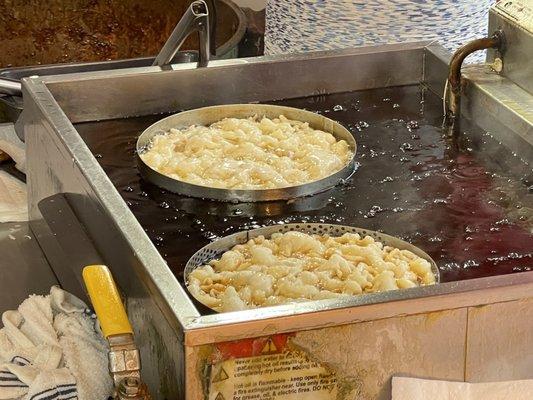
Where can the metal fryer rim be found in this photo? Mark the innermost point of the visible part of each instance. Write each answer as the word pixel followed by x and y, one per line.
pixel 219 246
pixel 208 115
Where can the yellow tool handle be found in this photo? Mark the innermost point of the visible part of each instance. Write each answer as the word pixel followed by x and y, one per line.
pixel 106 300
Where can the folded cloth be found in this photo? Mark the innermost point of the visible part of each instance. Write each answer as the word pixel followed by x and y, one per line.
pixel 422 389
pixel 13 202
pixel 13 199
pixel 12 145
pixel 50 350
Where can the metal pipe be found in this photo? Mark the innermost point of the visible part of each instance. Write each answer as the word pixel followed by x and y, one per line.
pixel 9 87
pixel 496 41
pixel 196 18
pixel 212 7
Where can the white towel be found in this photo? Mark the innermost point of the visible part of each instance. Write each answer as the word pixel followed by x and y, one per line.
pixel 13 202
pixel 12 145
pixel 49 349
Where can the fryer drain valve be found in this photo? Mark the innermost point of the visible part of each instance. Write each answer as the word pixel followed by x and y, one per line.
pixel 124 358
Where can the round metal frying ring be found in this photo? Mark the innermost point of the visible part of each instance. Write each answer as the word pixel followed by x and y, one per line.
pixel 208 115
pixel 215 249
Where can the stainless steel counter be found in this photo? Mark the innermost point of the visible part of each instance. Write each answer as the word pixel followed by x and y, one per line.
pixel 24 269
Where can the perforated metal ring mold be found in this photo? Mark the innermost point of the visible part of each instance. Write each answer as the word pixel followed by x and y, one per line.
pixel 218 247
pixel 208 115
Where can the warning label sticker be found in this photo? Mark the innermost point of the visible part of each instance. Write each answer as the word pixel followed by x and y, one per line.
pixel 272 375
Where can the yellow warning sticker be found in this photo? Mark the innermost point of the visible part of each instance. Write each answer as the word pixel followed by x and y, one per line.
pixel 269 347
pixel 284 376
pixel 221 375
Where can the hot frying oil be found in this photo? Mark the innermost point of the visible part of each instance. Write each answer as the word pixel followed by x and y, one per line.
pixel 468 202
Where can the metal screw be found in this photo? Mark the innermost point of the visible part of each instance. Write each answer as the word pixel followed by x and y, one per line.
pixel 129 387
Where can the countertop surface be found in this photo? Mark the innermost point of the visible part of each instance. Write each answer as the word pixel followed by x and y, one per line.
pixel 23 267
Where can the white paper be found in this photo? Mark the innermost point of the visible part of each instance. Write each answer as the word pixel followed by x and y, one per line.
pixel 425 389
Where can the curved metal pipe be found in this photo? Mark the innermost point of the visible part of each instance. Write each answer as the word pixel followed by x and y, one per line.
pixel 496 41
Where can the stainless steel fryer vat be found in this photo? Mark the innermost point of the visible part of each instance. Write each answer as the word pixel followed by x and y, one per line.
pixel 71 197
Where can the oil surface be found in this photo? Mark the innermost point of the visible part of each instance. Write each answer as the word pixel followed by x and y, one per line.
pixel 468 202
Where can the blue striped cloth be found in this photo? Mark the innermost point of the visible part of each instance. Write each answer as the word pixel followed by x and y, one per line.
pixel 306 25
pixel 13 387
pixel 9 379
pixel 59 392
pixel 50 350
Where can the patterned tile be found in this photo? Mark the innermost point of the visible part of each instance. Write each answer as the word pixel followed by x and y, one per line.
pixel 305 25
